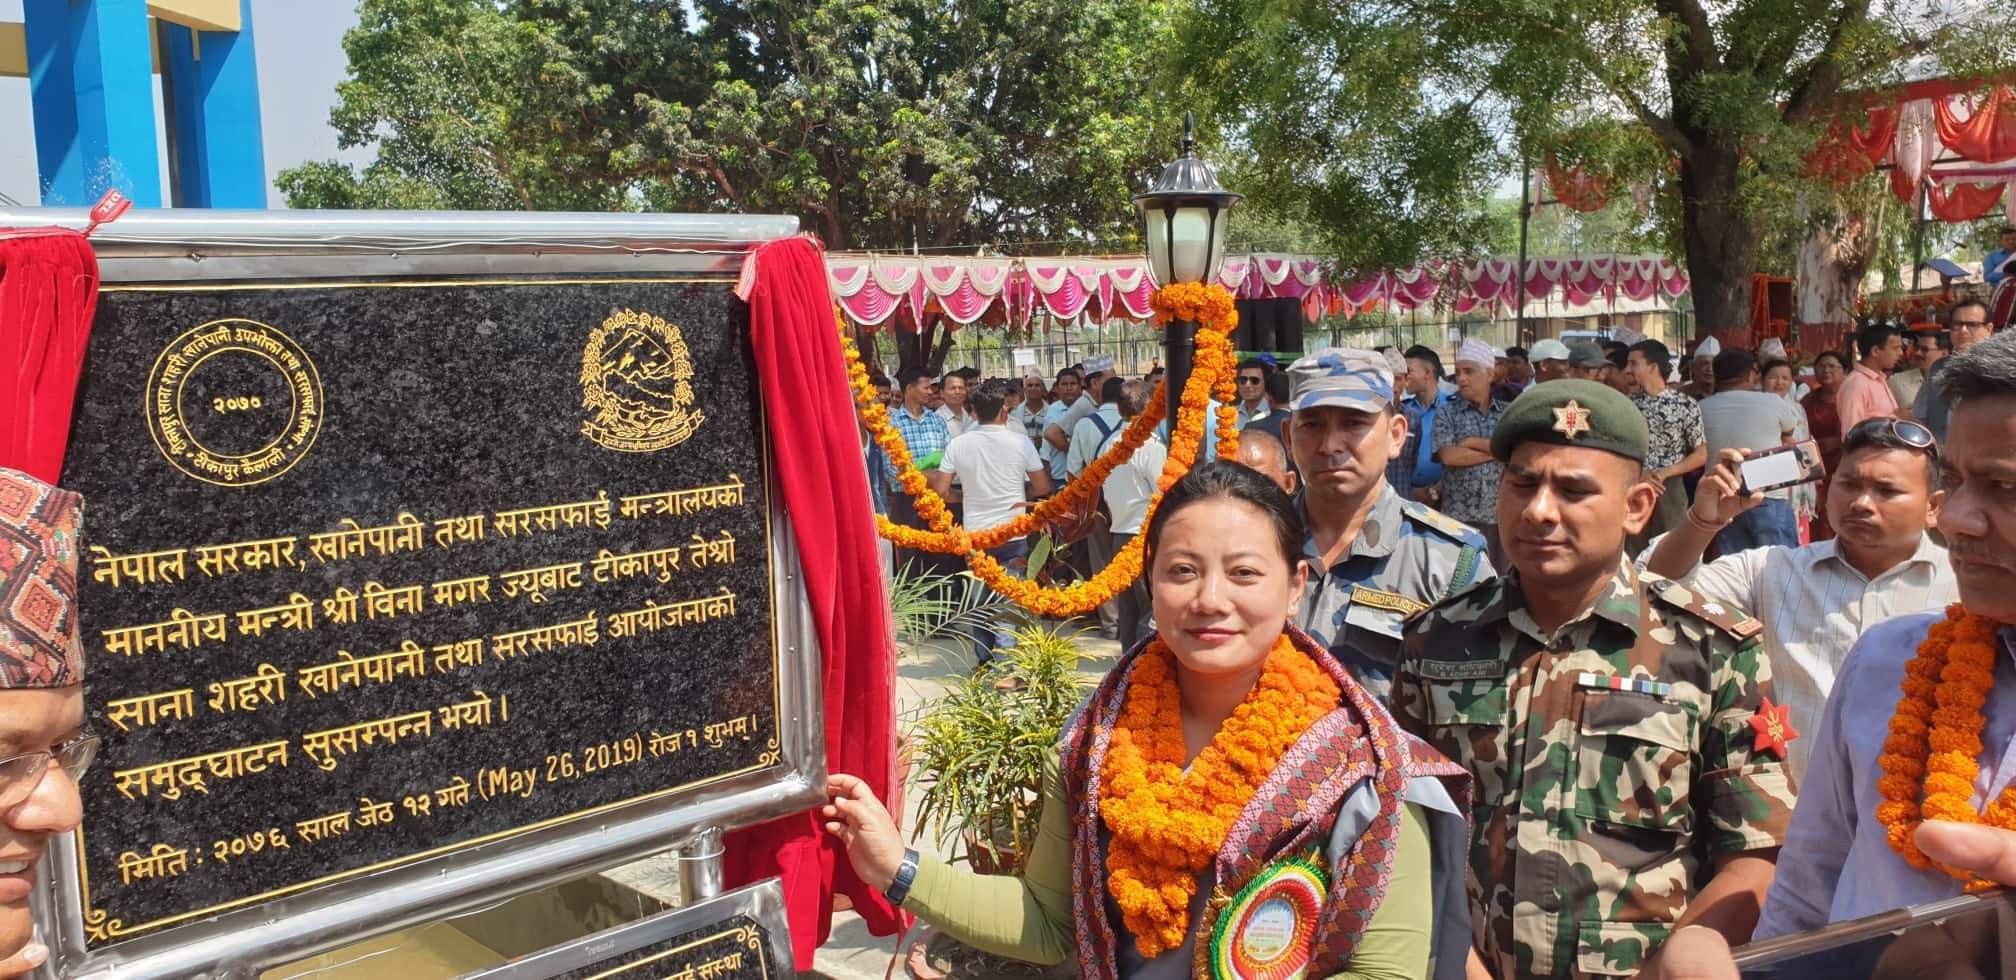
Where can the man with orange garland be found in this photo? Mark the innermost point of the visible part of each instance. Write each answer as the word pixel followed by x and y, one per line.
pixel 1850 852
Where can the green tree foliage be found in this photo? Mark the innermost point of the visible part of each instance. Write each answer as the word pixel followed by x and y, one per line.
pixel 1389 119
pixel 881 123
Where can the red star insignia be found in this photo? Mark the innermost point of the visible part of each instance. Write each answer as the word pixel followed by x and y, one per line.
pixel 1572 419
pixel 1773 727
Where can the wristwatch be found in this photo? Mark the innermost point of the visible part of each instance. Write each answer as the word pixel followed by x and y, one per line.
pixel 899 887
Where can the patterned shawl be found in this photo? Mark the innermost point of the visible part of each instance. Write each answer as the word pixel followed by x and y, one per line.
pixel 1292 812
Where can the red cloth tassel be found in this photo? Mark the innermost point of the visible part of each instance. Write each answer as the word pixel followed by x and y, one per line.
pixel 825 490
pixel 48 294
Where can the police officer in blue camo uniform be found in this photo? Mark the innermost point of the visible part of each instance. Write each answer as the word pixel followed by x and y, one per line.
pixel 1374 557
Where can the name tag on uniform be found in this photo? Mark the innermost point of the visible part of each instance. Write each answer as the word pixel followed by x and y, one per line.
pixel 1459 670
pixel 1389 601
pixel 1613 682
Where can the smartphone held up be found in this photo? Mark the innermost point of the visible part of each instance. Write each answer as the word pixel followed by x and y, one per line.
pixel 1781 467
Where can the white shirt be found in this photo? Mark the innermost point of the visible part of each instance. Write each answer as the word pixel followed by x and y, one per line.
pixel 1247 415
pixel 1130 485
pixel 957 423
pixel 1087 443
pixel 993 464
pixel 1814 605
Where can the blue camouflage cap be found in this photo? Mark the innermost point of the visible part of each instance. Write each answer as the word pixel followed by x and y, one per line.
pixel 1344 377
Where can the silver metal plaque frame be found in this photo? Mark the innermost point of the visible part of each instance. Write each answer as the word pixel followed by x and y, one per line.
pixel 180 247
pixel 762 902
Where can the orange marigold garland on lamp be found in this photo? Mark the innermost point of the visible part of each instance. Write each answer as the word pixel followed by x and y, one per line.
pixel 1213 308
pixel 1931 759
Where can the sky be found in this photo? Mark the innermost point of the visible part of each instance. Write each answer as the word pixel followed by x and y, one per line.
pixel 300 52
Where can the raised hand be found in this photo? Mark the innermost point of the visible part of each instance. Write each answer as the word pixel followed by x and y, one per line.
pixel 1720 498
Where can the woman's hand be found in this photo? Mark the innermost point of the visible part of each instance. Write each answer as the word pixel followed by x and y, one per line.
pixel 24 961
pixel 874 845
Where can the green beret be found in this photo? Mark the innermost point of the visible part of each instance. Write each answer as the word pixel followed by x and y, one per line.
pixel 1571 412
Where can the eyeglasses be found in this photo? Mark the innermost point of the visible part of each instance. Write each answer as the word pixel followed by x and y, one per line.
pixel 1910 433
pixel 1249 380
pixel 21 774
pixel 1968 324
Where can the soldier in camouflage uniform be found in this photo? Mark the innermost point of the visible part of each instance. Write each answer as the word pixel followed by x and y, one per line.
pixel 1623 790
pixel 1374 557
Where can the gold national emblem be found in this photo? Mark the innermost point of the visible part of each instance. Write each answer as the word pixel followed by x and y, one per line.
pixel 637 385
pixel 234 403
pixel 1572 419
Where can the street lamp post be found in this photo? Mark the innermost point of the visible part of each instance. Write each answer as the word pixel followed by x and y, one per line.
pixel 1183 219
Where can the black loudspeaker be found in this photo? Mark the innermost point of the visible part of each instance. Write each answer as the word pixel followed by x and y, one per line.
pixel 1269 325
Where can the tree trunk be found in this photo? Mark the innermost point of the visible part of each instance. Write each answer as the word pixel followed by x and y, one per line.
pixel 1832 264
pixel 1721 243
pixel 924 349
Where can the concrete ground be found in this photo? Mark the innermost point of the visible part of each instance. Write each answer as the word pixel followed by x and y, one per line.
pixel 922 674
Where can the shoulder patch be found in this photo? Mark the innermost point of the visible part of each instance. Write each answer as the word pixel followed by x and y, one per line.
pixel 1463 605
pixel 1728 619
pixel 1441 523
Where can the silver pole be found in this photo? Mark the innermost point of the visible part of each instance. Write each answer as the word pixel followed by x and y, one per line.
pixel 700 875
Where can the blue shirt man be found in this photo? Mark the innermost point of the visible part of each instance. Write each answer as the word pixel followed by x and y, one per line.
pixel 1374 558
pixel 1992 266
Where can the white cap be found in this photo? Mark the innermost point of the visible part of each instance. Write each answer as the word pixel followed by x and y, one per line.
pixel 1547 350
pixel 1709 348
pixel 1477 352
pixel 1099 364
pixel 1772 348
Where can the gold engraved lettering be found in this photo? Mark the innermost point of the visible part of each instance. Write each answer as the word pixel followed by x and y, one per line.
pixel 666 743
pixel 683 502
pixel 406 533
pixel 410 660
pixel 720 967
pixel 316 829
pixel 534 583
pixel 182 628
pixel 653 616
pixel 453 794
pixel 331 744
pixel 371 814
pixel 658 564
pixel 420 805
pixel 163 861
pixel 458 530
pixel 532 520
pixel 637 384
pixel 149 709
pixel 168 779
pixel 213 560
pixel 719 732
pixel 265 686
pixel 462 591
pixel 148 568
pixel 383 603
pixel 462 653
pixel 340 607
pixel 297 614
pixel 541 639
pixel 720 551
pixel 474 714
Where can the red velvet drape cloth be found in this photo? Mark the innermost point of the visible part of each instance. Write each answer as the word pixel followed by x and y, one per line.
pixel 1988 135
pixel 1962 202
pixel 48 294
pixel 824 484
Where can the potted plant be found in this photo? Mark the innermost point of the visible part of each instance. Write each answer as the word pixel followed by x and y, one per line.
pixel 979 749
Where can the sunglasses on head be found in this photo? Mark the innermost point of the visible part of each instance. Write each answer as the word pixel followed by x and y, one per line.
pixel 1910 433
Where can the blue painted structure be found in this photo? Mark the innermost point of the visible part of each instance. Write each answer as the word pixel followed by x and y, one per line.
pixel 90 71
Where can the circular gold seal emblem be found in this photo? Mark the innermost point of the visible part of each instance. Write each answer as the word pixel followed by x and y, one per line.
pixel 234 403
pixel 637 385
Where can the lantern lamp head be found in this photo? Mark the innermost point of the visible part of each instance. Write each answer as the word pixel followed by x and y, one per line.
pixel 1183 217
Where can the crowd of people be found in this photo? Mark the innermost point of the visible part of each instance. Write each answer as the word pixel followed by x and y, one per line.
pixel 1665 701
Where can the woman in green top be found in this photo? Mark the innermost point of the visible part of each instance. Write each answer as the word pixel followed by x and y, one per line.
pixel 1228 802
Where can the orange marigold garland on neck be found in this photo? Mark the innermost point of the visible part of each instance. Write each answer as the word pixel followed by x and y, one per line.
pixel 1168 823
pixel 1932 757
pixel 1212 307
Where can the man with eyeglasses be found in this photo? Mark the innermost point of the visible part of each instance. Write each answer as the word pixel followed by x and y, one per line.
pixel 1816 600
pixel 43 750
pixel 1966 325
pixel 1847 855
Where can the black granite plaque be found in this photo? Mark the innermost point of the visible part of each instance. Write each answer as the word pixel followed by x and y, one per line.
pixel 736 948
pixel 378 571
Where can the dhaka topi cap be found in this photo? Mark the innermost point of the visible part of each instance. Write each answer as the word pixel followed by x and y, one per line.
pixel 1476 352
pixel 39 524
pixel 1708 349
pixel 1626 336
pixel 1772 349
pixel 1547 350
pixel 1572 412
pixel 1395 362
pixel 1586 354
pixel 1342 377
pixel 1099 364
